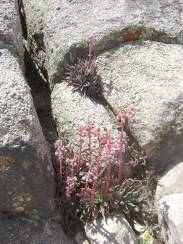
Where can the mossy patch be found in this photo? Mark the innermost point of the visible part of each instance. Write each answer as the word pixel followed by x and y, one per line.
pixel 5 163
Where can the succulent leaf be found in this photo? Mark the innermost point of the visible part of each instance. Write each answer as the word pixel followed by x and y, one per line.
pixel 84 78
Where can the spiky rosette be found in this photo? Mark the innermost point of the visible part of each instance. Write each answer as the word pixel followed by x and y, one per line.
pixel 83 76
pixel 126 196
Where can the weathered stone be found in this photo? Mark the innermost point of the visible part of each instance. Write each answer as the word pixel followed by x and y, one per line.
pixel 143 71
pixel 148 76
pixel 81 239
pixel 110 230
pixel 27 187
pixel 10 28
pixel 71 109
pixel 169 205
pixel 25 167
pixel 65 26
pixel 24 230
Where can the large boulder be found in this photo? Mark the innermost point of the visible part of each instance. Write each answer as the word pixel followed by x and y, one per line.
pixel 10 29
pixel 71 109
pixel 26 170
pixel 27 187
pixel 23 230
pixel 169 205
pixel 148 76
pixel 24 154
pixel 135 74
pixel 56 28
pixel 144 74
pixel 110 230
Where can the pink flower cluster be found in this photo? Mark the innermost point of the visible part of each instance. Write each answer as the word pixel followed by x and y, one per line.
pixel 92 167
pixel 128 114
pixel 71 184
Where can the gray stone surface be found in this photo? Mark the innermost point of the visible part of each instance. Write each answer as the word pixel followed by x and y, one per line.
pixel 27 186
pixel 25 167
pixel 110 230
pixel 22 230
pixel 65 25
pixel 169 205
pixel 71 109
pixel 148 76
pixel 156 67
pixel 10 28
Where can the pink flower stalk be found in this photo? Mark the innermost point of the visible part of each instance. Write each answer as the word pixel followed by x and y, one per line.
pixel 102 140
pixel 80 145
pixel 90 41
pixel 109 154
pixel 71 183
pixel 60 150
pixel 121 118
pixel 73 165
pixel 88 128
pixel 89 177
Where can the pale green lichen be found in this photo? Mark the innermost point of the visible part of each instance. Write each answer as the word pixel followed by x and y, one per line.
pixel 20 201
pixel 5 163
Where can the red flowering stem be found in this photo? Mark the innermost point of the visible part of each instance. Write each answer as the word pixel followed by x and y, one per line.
pixel 60 161
pixel 107 179
pixel 85 191
pixel 80 152
pixel 93 191
pixel 89 148
pixel 120 152
pixel 73 164
pixel 59 152
pixel 90 40
pixel 90 53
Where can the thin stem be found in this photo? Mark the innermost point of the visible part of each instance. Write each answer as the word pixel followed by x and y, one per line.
pixel 60 161
pixel 120 153
pixel 90 41
pixel 90 150
pixel 85 191
pixel 90 53
pixel 93 191
pixel 80 153
pixel 107 178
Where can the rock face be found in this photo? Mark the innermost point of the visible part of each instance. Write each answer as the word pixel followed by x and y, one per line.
pixel 25 161
pixel 65 26
pixel 10 29
pixel 27 185
pixel 83 109
pixel 169 202
pixel 141 76
pixel 110 230
pixel 139 54
pixel 23 230
pixel 141 65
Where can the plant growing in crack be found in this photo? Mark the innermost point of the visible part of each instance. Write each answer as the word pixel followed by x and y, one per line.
pixel 89 187
pixel 83 75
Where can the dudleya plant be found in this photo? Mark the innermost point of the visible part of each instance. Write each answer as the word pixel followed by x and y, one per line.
pixel 89 185
pixel 83 76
